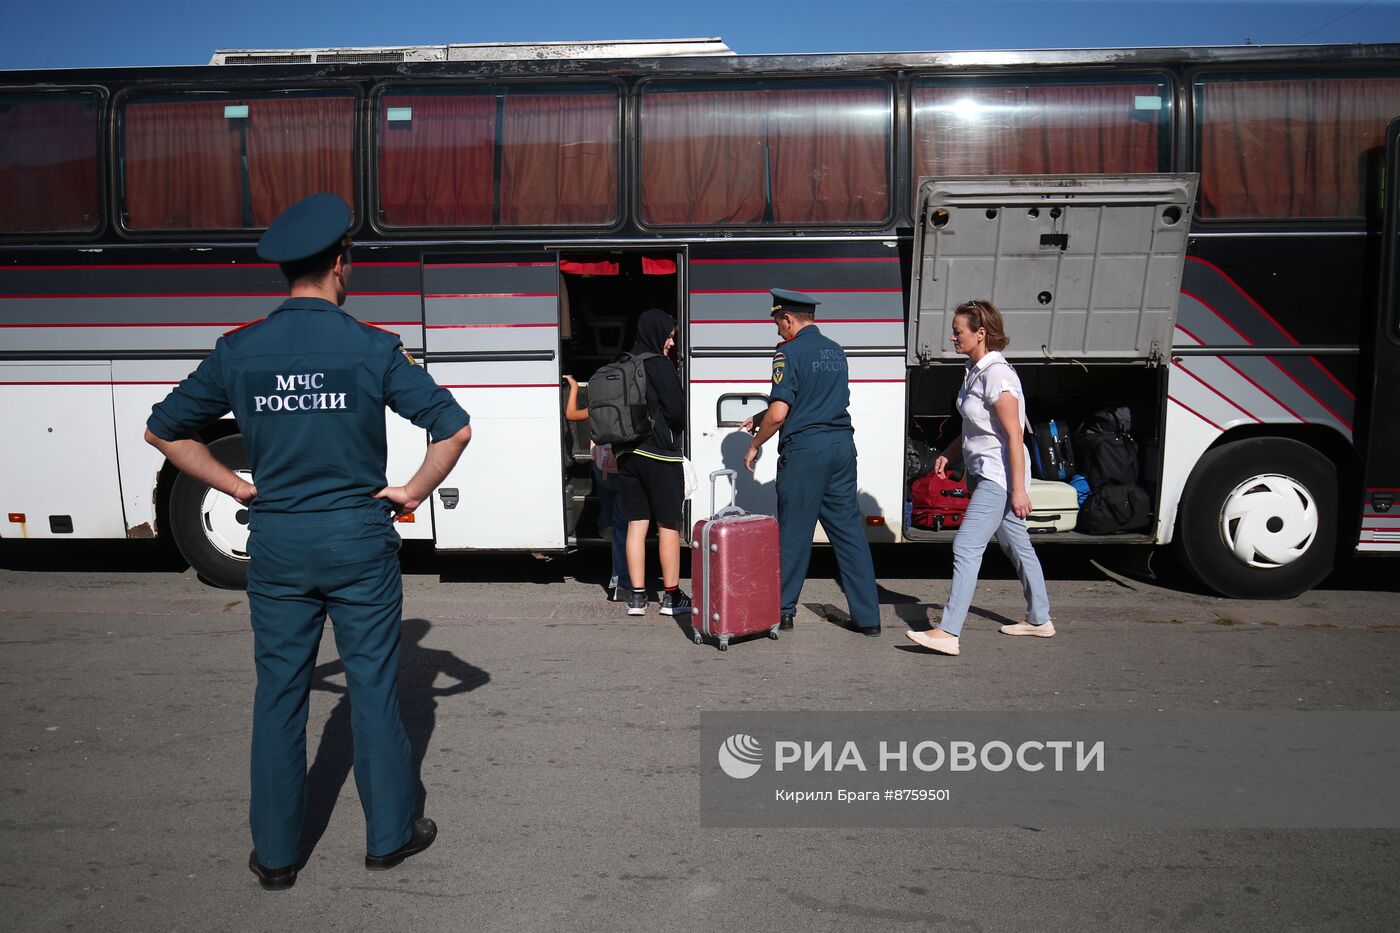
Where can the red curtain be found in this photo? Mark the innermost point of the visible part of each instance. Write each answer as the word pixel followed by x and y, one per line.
pixel 702 157
pixel 181 164
pixel 829 157
pixel 590 267
pixel 297 147
pixel 559 159
pixel 436 169
pixel 48 166
pixel 1035 130
pixel 1293 148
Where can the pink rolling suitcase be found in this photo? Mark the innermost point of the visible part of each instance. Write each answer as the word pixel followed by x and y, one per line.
pixel 734 572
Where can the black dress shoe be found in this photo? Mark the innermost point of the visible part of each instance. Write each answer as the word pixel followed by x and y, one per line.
pixel 424 832
pixel 785 623
pixel 272 879
pixel 872 630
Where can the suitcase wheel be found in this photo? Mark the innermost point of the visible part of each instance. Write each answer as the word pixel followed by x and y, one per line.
pixel 773 633
pixel 724 643
pixel 697 637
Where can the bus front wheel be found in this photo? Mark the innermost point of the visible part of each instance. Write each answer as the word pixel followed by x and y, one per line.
pixel 1258 519
pixel 210 527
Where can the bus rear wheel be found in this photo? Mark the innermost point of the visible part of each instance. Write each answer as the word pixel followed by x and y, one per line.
pixel 210 527
pixel 1258 519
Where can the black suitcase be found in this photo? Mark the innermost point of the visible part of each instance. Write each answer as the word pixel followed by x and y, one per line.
pixel 1052 453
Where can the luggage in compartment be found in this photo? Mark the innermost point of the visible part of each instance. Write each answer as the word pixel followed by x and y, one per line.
pixel 939 504
pixel 1054 507
pixel 734 571
pixel 1052 453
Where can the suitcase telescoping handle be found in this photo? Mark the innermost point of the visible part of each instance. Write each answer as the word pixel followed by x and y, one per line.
pixel 732 508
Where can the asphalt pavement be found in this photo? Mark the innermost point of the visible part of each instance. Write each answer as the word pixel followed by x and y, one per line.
pixel 560 757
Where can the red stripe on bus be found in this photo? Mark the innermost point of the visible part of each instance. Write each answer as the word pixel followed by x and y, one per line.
pixel 825 320
pixel 503 385
pixel 1247 297
pixel 756 381
pixel 819 291
pixel 190 265
pixel 121 383
pixel 189 324
pixel 1199 343
pixel 1275 399
pixel 1328 373
pixel 1383 488
pixel 1211 308
pixel 452 326
pixel 1193 411
pixel 1311 394
pixel 497 295
pixel 1277 365
pixel 113 295
pixel 813 259
pixel 1178 364
pixel 1270 318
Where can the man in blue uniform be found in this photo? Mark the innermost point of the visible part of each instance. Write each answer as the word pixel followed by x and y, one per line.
pixel 816 459
pixel 308 386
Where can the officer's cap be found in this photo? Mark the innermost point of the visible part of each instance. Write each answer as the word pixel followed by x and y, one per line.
pixel 795 302
pixel 310 226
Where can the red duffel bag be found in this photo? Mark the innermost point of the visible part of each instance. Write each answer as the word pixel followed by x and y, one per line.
pixel 939 504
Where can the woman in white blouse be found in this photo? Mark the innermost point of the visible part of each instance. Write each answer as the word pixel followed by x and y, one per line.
pixel 992 447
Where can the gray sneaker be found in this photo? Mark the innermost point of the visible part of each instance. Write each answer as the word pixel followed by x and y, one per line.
pixel 637 603
pixel 676 603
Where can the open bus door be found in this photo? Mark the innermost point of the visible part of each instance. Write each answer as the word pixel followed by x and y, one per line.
pixel 492 337
pixel 1380 519
pixel 1084 267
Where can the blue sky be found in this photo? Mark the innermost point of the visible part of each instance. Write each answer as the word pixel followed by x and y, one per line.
pixel 79 33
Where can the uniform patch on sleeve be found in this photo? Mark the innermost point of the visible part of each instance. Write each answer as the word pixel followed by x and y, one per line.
pixel 276 393
pixel 408 356
pixel 779 367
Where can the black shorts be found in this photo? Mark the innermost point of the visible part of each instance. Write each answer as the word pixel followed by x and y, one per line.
pixel 651 489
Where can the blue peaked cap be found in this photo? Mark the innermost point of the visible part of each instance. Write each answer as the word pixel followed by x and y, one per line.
pixel 310 226
pixel 788 300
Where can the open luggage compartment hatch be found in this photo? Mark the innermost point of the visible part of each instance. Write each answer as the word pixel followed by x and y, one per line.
pixel 1082 266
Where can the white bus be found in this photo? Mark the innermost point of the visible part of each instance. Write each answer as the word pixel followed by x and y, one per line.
pixel 1195 234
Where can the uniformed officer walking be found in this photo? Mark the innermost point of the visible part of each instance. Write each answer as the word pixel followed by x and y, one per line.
pixel 816 459
pixel 308 386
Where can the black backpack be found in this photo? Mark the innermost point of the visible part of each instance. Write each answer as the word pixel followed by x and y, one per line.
pixel 1113 507
pixel 617 401
pixel 1105 451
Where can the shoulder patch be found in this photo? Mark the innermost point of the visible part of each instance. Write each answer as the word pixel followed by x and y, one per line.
pixel 408 356
pixel 779 368
pixel 242 326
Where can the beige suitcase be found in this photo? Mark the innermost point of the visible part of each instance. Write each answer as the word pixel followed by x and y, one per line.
pixel 1054 507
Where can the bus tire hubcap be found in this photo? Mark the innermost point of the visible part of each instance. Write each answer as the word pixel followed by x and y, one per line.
pixel 1269 521
pixel 224 520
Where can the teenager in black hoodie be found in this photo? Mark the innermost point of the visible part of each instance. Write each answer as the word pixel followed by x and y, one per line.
pixel 651 472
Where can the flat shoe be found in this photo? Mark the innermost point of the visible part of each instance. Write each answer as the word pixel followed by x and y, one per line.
pixel 424 833
pixel 272 879
pixel 1045 630
pixel 933 643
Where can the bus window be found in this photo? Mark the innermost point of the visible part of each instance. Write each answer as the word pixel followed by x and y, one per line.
pixel 1003 128
pixel 779 153
pixel 48 163
pixel 1275 148
pixel 231 162
pixel 557 150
